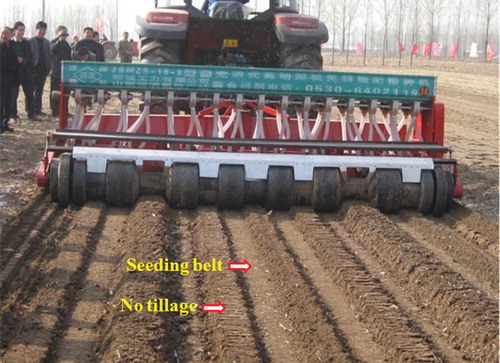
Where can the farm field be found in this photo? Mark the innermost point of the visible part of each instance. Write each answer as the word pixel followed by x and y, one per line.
pixel 356 285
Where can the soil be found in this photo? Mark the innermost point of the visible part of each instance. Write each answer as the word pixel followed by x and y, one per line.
pixel 356 285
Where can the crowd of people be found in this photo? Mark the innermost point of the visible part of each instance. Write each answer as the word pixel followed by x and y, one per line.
pixel 27 63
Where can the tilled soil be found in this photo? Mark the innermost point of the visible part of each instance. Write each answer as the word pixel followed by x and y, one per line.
pixel 356 285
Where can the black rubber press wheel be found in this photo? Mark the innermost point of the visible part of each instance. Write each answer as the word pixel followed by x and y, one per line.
pixel 183 186
pixel 280 181
pixel 79 190
pixel 64 180
pixel 231 187
pixel 122 183
pixel 442 192
pixel 389 190
pixel 327 194
pixel 53 176
pixel 427 190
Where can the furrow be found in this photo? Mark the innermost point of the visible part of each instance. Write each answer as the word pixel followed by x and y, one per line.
pixel 315 334
pixel 467 315
pixel 27 277
pixel 25 226
pixel 273 325
pixel 149 235
pixel 26 246
pixel 473 263
pixel 231 332
pixel 474 227
pixel 81 336
pixel 400 337
pixel 40 320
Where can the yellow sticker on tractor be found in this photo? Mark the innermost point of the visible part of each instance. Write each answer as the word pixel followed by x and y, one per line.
pixel 230 43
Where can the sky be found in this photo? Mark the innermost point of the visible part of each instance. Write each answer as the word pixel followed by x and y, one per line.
pixel 127 9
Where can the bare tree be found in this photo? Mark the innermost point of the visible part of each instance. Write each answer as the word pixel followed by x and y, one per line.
pixel 385 10
pixel 433 7
pixel 402 5
pixel 414 37
pixel 351 12
pixel 458 18
pixel 489 9
pixel 365 31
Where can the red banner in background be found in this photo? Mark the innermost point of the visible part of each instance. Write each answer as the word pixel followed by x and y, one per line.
pixel 99 27
pixel 490 52
pixel 436 49
pixel 453 50
pixel 401 49
pixel 414 49
pixel 359 48
pixel 426 51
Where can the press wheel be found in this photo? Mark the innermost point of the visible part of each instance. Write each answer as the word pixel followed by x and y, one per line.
pixel 183 186
pixel 231 187
pixel 280 181
pixel 326 195
pixel 389 190
pixel 122 183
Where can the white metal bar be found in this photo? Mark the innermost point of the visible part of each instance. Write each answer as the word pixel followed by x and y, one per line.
pixel 256 165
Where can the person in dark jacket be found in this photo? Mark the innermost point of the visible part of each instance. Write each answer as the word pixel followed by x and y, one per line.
pixel 9 66
pixel 89 43
pixel 40 47
pixel 60 50
pixel 26 73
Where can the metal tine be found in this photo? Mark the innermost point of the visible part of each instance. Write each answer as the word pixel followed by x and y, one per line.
pixel 170 113
pixel 415 112
pixel 372 115
pixel 217 122
pixel 364 119
pixel 352 128
pixel 229 122
pixel 343 122
pixel 405 119
pixel 306 109
pixel 144 117
pixel 328 113
pixel 258 132
pixel 318 124
pixel 238 124
pixel 195 123
pixel 93 125
pixel 393 112
pixel 282 121
pixel 286 125
pixel 123 123
pixel 79 110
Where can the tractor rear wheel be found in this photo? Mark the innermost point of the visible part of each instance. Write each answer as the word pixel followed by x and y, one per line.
pixel 159 51
pixel 300 56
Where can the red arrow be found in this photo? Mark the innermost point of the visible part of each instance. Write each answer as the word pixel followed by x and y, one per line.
pixel 243 266
pixel 213 308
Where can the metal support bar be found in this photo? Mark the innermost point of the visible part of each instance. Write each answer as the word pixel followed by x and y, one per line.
pixel 263 143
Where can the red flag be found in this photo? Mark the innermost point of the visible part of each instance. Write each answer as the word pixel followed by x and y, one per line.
pixel 359 48
pixel 414 49
pixel 99 27
pixel 453 50
pixel 490 53
pixel 436 49
pixel 400 47
pixel 426 51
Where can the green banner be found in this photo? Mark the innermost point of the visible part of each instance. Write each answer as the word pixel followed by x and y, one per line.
pixel 269 81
